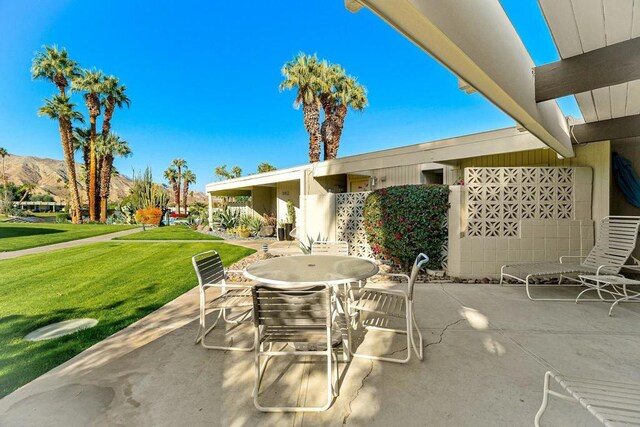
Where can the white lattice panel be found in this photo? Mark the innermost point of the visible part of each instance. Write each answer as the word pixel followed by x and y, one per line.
pixel 350 223
pixel 498 198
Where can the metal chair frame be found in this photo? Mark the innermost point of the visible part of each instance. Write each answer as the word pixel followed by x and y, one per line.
pixel 212 274
pixel 389 298
pixel 611 403
pixel 614 244
pixel 290 315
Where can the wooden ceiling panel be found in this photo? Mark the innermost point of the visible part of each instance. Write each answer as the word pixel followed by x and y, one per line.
pixel 561 22
pixel 589 16
pixel 602 99
pixel 618 100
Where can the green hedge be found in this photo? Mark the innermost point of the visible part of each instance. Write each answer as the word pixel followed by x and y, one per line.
pixel 403 221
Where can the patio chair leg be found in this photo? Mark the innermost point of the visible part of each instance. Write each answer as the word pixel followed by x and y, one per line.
pixel 545 400
pixel 420 349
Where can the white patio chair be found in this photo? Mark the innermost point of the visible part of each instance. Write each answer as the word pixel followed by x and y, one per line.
pixel 611 403
pixel 300 316
pixel 392 303
pixel 330 248
pixel 614 244
pixel 211 274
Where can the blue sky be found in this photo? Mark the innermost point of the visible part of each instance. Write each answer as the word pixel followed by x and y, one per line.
pixel 204 76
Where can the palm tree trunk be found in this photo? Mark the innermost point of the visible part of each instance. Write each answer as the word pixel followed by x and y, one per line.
pixel 336 125
pixel 185 193
pixel 72 181
pixel 93 171
pixel 106 166
pixel 311 116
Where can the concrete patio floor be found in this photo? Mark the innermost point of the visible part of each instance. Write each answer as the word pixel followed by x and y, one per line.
pixel 486 350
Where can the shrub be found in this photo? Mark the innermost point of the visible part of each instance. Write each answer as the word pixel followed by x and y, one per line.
pixel 291 213
pixel 149 216
pixel 253 223
pixel 62 217
pixel 403 221
pixel 228 218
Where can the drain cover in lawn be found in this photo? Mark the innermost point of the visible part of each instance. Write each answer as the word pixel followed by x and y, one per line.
pixel 60 329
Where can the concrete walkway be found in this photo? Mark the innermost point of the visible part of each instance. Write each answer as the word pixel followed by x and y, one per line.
pixel 486 351
pixel 64 245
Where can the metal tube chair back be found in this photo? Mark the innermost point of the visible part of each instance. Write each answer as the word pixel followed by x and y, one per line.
pixel 293 314
pixel 330 248
pixel 211 274
pixel 614 244
pixel 418 264
pixel 209 268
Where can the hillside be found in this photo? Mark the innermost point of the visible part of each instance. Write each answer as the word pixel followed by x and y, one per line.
pixel 49 176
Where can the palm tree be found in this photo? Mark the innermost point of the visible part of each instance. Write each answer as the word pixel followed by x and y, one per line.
pixel 347 93
pixel 114 96
pixel 60 108
pixel 179 164
pixel 27 191
pixel 188 177
pixel 109 148
pixel 92 83
pixel 4 153
pixel 171 175
pixel 54 65
pixel 304 74
pixel 82 142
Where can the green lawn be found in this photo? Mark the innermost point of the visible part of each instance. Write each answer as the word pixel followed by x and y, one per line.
pixel 116 283
pixel 15 236
pixel 172 232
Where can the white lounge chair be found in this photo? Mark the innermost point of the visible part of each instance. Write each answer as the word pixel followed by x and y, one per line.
pixel 211 274
pixel 612 403
pixel 614 244
pixel 299 316
pixel 330 248
pixel 390 303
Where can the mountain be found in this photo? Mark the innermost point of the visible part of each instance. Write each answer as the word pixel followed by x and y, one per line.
pixel 49 176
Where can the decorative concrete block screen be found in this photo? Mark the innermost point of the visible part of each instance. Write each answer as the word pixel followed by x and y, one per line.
pixel 498 198
pixel 350 222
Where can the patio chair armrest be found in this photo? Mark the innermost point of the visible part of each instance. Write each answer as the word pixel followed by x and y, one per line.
pixel 629 266
pixel 571 256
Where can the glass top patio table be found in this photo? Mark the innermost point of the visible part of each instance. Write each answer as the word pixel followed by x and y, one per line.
pixel 311 270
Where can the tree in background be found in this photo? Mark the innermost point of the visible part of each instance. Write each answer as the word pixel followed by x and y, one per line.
pixel 114 96
pixel 221 172
pixel 265 167
pixel 27 190
pixel 92 83
pixel 4 205
pixel 180 165
pixel 60 108
pixel 303 74
pixel 340 92
pixel 321 83
pixel 188 177
pixel 109 148
pixel 171 175
pixel 82 143
pixel 54 65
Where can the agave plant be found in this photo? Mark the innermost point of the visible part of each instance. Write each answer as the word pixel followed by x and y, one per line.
pixel 306 248
pixel 228 218
pixel 253 223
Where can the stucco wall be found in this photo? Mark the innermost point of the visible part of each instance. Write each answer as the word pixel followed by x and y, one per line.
pixel 263 200
pixel 285 191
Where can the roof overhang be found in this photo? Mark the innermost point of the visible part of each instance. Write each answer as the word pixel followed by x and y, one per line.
pixel 480 144
pixel 263 179
pixel 477 42
pixel 599 46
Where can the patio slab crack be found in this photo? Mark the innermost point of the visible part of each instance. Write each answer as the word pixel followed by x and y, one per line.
pixel 440 338
pixel 364 379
